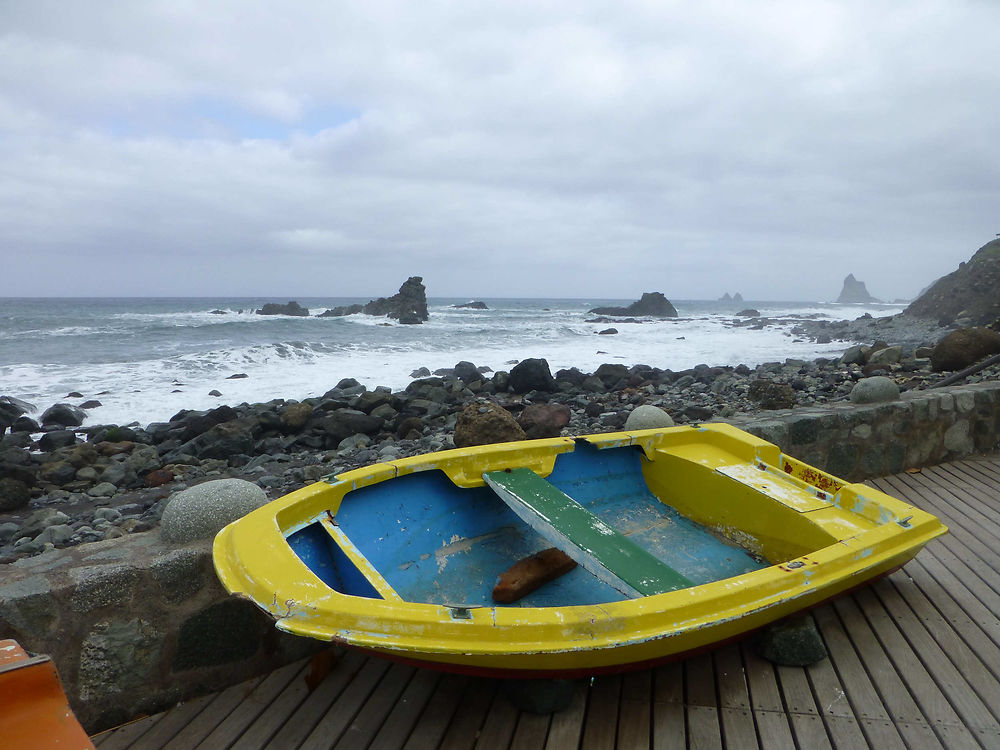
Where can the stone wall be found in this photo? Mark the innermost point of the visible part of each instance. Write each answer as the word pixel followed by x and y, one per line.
pixel 135 625
pixel 856 442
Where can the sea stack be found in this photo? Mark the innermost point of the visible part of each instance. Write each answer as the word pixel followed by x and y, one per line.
pixel 854 291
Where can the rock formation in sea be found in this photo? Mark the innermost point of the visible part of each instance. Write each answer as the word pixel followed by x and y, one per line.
pixel 292 308
pixel 968 294
pixel 854 291
pixel 651 304
pixel 474 305
pixel 409 305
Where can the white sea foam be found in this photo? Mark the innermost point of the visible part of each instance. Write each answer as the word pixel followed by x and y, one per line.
pixel 179 356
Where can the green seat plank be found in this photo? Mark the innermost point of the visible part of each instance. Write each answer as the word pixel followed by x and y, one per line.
pixel 595 546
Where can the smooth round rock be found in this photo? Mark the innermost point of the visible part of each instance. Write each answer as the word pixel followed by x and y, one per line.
pixel 875 390
pixel 200 512
pixel 648 417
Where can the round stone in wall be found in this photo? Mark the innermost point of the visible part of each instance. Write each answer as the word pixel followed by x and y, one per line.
pixel 875 390
pixel 200 512
pixel 648 417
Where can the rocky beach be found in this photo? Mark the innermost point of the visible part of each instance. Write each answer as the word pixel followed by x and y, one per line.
pixel 62 484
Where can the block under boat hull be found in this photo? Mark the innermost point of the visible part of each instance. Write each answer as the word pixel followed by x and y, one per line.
pixel 722 534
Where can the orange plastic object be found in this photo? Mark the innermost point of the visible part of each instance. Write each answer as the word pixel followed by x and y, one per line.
pixel 33 708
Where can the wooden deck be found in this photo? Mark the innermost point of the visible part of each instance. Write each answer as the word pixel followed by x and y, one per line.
pixel 914 663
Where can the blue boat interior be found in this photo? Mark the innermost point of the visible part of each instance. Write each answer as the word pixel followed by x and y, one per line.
pixel 438 543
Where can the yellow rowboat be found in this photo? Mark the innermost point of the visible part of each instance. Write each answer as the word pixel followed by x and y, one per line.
pixel 684 538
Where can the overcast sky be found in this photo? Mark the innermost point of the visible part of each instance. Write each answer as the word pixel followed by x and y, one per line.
pixel 555 149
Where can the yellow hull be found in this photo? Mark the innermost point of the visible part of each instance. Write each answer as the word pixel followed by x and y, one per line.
pixel 820 535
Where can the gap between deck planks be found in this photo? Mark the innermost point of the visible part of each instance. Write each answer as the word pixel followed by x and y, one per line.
pixel 914 663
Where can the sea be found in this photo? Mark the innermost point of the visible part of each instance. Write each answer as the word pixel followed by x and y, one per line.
pixel 145 359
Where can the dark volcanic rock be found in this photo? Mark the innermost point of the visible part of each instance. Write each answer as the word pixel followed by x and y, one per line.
pixel 970 292
pixel 10 410
pixel 651 304
pixel 963 348
pixel 66 415
pixel 409 305
pixel 476 305
pixel 854 291
pixel 292 308
pixel 531 375
pixel 342 310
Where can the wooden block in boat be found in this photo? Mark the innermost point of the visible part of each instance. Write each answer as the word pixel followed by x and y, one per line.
pixel 528 574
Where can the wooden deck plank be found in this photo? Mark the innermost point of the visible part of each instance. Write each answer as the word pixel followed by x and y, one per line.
pixel 979 627
pixel 532 731
pixel 461 734
pixel 335 721
pixel 270 722
pixel 951 668
pixel 370 719
pixel 669 726
pixel 704 728
pixel 246 711
pixel 895 696
pixel 399 724
pixel 499 724
pixel 122 737
pixel 600 727
pixel 809 731
pixel 857 684
pixel 566 727
pixel 699 681
pixel 173 721
pixel 739 731
pixel 311 710
pixel 437 714
pixel 635 713
pixel 205 722
pixel 731 677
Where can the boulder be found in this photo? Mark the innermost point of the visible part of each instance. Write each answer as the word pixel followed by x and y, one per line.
pixel 651 304
pixel 647 417
pixel 474 305
pixel 221 441
pixel 65 415
pixel 10 410
pixel 200 512
pixel 887 355
pixel 56 439
pixel 531 375
pixel 484 422
pixel 294 417
pixel 544 420
pixel 874 390
pixel 963 348
pixel 771 395
pixel 291 308
pixel 854 291
pixel 14 494
pixel 793 642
